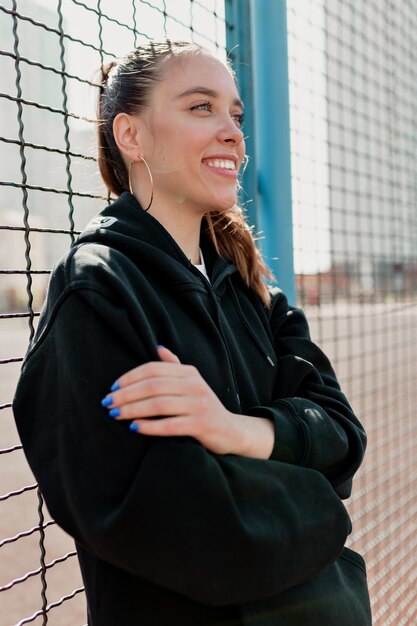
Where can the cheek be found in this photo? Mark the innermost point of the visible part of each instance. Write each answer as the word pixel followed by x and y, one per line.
pixel 160 139
pixel 174 147
pixel 178 147
pixel 242 150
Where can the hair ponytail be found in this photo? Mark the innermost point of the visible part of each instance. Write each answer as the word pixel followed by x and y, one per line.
pixel 232 237
pixel 111 164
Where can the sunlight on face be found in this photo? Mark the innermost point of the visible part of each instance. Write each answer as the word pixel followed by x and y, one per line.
pixel 191 134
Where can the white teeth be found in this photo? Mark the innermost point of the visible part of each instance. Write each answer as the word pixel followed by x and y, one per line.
pixel 227 164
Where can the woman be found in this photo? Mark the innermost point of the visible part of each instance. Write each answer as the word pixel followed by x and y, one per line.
pixel 181 424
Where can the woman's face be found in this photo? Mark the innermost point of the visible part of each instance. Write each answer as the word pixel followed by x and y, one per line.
pixel 191 135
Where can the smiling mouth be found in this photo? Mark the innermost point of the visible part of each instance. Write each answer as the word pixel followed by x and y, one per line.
pixel 225 164
pixel 227 168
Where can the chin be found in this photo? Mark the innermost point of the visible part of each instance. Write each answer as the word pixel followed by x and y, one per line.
pixel 224 204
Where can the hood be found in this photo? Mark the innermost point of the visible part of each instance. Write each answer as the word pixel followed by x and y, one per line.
pixel 126 227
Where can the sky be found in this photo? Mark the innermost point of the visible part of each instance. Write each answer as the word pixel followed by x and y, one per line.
pixel 83 24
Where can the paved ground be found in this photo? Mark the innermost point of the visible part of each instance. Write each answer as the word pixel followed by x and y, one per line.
pixel 375 355
pixel 19 513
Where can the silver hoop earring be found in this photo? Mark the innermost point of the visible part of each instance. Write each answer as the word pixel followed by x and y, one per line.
pixel 150 177
pixel 246 162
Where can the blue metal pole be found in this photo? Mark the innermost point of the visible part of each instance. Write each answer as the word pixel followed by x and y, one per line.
pixel 239 47
pixel 272 122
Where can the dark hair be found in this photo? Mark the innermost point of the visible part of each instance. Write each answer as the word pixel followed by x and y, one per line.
pixel 126 87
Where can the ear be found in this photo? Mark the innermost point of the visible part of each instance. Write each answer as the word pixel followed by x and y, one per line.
pixel 126 135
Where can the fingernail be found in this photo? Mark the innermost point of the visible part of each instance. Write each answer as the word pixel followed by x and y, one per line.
pixel 135 427
pixel 114 412
pixel 107 401
pixel 115 386
pixel 159 346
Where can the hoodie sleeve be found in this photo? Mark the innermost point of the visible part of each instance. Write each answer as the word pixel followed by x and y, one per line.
pixel 217 529
pixel 314 424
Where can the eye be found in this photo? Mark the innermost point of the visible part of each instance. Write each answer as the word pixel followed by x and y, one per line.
pixel 204 106
pixel 239 119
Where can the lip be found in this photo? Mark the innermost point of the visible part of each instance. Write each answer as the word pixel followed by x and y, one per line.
pixel 223 156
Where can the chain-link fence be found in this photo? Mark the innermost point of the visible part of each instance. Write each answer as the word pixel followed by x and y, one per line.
pixel 352 69
pixel 353 77
pixel 50 187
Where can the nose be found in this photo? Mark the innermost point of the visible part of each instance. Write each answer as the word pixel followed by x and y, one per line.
pixel 230 133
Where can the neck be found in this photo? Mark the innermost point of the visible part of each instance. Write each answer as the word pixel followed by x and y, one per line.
pixel 184 228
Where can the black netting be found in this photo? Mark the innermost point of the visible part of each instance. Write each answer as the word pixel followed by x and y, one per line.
pixel 352 70
pixel 353 76
pixel 50 52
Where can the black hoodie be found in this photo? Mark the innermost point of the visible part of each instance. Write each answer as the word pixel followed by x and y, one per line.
pixel 167 532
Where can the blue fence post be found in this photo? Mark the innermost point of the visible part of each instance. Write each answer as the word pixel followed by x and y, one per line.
pixel 239 47
pixel 272 123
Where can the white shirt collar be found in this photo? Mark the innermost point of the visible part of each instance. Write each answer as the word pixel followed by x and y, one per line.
pixel 202 266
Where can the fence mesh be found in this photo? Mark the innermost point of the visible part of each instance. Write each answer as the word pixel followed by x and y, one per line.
pixel 353 133
pixel 353 76
pixel 50 51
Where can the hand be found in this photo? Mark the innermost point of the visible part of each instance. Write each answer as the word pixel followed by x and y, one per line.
pixel 179 394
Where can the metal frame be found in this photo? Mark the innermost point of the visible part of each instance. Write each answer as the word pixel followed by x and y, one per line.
pixel 239 46
pixel 257 38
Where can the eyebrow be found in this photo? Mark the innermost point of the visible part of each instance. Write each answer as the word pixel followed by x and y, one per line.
pixel 207 92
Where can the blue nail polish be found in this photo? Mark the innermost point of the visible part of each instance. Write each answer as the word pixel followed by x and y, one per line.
pixel 114 412
pixel 115 386
pixel 107 401
pixel 135 427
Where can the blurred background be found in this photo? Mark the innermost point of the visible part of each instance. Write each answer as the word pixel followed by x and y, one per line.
pixel 331 187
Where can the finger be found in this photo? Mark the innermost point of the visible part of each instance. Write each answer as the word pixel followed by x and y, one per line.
pixel 159 406
pixel 153 368
pixel 151 387
pixel 179 426
pixel 167 355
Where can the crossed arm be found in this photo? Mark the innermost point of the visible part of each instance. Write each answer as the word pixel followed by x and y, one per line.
pixel 179 393
pixel 256 524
